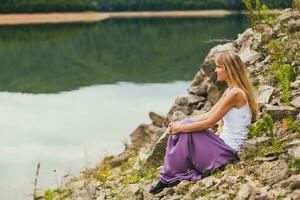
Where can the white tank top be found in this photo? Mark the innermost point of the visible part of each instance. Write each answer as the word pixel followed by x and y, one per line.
pixel 236 121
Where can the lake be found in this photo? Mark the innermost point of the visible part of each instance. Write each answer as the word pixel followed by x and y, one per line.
pixel 71 94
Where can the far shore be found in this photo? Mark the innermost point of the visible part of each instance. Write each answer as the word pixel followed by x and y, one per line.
pixel 42 18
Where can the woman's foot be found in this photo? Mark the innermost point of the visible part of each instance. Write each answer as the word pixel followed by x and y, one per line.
pixel 160 186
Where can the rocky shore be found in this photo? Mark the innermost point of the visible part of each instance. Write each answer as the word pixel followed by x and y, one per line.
pixel 268 167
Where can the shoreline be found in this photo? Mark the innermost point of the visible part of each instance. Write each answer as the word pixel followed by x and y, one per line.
pixel 43 18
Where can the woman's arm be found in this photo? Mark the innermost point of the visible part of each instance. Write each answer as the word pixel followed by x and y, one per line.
pixel 224 106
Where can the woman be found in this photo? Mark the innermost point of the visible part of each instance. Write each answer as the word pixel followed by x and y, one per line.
pixel 193 150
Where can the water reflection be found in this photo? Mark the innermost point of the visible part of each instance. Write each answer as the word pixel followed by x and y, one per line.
pixel 53 58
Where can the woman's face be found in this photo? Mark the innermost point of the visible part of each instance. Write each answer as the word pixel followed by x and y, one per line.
pixel 221 73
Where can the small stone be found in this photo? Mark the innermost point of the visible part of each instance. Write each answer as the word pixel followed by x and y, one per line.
pixel 165 192
pixel 293 144
pixel 272 172
pixel 134 188
pixel 295 153
pixel 263 94
pixel 245 192
pixel 194 99
pixel 280 112
pixel 296 102
pixel 262 192
pixel 266 159
pixel 157 119
pixel 208 181
pixel 255 142
pixel 296 84
pixel 231 180
pixel 293 182
pixel 295 195
pixel 245 36
pixel 293 26
pixel 181 101
pixel 177 116
pixel 198 90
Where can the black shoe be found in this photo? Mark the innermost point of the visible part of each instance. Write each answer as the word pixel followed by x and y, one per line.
pixel 160 186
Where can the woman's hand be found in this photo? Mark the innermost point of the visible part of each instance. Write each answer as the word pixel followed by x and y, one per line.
pixel 174 128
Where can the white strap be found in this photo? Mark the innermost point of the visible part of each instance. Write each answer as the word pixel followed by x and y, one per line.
pixel 243 93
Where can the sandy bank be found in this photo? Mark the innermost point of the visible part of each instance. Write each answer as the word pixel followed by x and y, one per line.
pixel 41 18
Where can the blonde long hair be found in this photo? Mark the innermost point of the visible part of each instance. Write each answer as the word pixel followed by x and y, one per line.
pixel 238 77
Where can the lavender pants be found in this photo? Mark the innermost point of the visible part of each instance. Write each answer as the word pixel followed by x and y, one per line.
pixel 191 155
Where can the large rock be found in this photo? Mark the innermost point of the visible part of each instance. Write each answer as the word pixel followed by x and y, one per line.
pixel 280 112
pixel 263 94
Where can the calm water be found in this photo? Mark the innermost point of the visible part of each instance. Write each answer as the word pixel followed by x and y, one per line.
pixel 72 93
